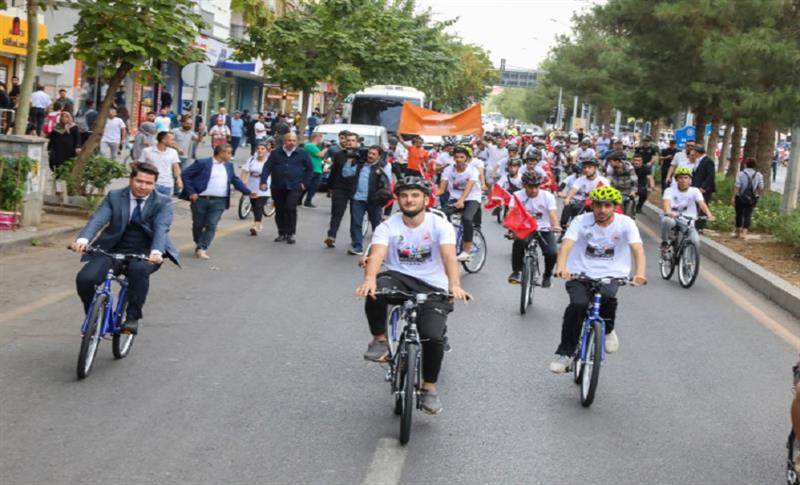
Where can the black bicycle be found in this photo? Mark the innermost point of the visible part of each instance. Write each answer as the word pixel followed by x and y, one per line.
pixel 530 274
pixel 629 205
pixel 403 371
pixel 578 207
pixel 682 253
pixel 479 250
pixel 246 206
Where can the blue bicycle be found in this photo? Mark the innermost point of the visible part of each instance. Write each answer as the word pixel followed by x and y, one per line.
pixel 479 250
pixel 103 317
pixel 591 348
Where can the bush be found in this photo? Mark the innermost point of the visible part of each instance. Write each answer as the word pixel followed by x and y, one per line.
pixel 788 230
pixel 13 180
pixel 100 171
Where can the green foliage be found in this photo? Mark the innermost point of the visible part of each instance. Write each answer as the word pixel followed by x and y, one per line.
pixel 789 229
pixel 99 173
pixel 14 180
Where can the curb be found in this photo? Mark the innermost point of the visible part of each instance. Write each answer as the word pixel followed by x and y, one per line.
pixel 26 241
pixel 772 286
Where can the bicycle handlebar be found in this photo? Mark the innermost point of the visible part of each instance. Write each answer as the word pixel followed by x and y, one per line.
pixel 115 256
pixel 605 280
pixel 412 295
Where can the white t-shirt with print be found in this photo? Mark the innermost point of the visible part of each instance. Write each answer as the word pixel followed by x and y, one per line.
pixel 112 133
pixel 539 206
pixel 683 203
pixel 476 163
pixel 586 154
pixel 164 161
pixel 415 251
pixel 445 159
pixel 457 181
pixel 506 180
pixel 254 168
pixel 601 251
pixel 524 169
pixel 585 186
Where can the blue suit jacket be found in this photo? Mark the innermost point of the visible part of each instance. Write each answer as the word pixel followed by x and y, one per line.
pixel 288 172
pixel 114 214
pixel 196 176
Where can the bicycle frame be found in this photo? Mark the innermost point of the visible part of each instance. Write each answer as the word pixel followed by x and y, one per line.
pixel 110 318
pixel 592 316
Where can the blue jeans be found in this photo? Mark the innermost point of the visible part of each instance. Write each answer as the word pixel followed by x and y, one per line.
pixel 357 210
pixel 163 189
pixel 235 143
pixel 206 213
pixel 312 187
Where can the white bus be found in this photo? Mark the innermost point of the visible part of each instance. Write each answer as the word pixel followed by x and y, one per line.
pixel 380 105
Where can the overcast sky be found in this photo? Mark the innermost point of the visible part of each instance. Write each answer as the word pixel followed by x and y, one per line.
pixel 521 31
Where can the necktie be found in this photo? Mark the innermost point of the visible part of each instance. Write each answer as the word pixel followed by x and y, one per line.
pixel 136 217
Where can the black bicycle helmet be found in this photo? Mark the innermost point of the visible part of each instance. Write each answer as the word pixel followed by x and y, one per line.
pixel 591 161
pixel 615 156
pixel 413 182
pixel 532 179
pixel 533 155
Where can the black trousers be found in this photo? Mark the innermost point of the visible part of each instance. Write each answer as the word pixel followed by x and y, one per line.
pixel 340 199
pixel 138 273
pixel 744 214
pixel 37 118
pixel 258 208
pixel 286 201
pixel 642 191
pixel 547 241
pixel 570 211
pixel 432 319
pixel 579 299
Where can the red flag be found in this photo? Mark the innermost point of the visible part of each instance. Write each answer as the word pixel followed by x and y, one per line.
pixel 519 221
pixel 498 197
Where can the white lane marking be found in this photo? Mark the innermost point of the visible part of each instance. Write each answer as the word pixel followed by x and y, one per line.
pixel 386 467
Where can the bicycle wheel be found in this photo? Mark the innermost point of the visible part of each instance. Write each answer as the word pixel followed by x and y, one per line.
pixel 534 277
pixel 478 253
pixel 392 330
pixel 398 375
pixel 591 369
pixel 667 266
pixel 688 265
pixel 365 225
pixel 791 469
pixel 269 208
pixel 91 337
pixel 121 342
pixel 407 392
pixel 577 367
pixel 525 287
pixel 244 207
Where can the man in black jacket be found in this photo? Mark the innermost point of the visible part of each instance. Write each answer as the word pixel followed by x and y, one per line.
pixel 704 175
pixel 370 193
pixel 291 171
pixel 344 164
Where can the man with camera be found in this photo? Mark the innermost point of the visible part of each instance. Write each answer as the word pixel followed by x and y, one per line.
pixel 342 182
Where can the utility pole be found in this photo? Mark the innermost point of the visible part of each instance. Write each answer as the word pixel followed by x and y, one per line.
pixel 791 189
pixel 617 121
pixel 574 113
pixel 560 111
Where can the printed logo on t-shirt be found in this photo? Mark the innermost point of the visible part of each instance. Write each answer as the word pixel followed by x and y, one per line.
pixel 678 205
pixel 408 253
pixel 600 249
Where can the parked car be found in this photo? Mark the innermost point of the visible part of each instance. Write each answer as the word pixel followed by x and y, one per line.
pixel 368 134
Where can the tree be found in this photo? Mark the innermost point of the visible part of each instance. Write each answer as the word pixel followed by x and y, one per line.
pixel 122 37
pixel 471 79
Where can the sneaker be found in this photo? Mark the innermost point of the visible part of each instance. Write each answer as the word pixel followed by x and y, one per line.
pixel 202 254
pixel 130 326
pixel 665 249
pixel 310 206
pixel 509 235
pixel 446 344
pixel 515 278
pixel 464 256
pixel 290 239
pixel 561 365
pixel 280 238
pixel 330 242
pixel 612 342
pixel 546 283
pixel 377 351
pixel 429 402
pixel 253 231
pixel 355 252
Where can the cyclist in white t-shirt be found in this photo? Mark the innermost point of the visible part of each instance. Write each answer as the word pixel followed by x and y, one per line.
pixel 580 189
pixel 585 151
pixel 541 204
pixel 419 248
pixel 598 244
pixel 464 184
pixel 682 200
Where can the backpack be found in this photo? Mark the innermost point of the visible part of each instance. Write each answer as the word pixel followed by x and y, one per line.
pixel 748 196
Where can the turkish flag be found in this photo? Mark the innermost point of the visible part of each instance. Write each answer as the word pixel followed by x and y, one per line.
pixel 498 197
pixel 519 221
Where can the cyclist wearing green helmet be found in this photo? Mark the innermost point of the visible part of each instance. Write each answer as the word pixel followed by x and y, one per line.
pixel 598 244
pixel 682 200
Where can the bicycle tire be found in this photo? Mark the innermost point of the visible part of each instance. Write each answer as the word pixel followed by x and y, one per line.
pixel 90 341
pixel 398 375
pixel 666 266
pixel 365 225
pixel 689 252
pixel 392 318
pixel 408 393
pixel 269 208
pixel 534 278
pixel 577 367
pixel 792 477
pixel 591 370
pixel 245 207
pixel 121 343
pixel 478 253
pixel 525 286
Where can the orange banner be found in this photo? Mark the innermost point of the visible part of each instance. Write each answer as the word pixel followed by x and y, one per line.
pixel 420 121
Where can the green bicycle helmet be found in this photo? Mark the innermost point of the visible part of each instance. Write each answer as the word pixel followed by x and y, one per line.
pixel 683 171
pixel 606 193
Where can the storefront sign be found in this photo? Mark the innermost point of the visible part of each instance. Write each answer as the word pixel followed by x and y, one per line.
pixel 218 55
pixel 14 35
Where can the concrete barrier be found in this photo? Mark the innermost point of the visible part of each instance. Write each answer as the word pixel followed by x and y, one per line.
pixel 772 286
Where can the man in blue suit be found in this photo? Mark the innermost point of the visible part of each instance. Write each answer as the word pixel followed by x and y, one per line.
pixel 207 183
pixel 137 221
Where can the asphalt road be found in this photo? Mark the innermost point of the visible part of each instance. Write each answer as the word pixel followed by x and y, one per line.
pixel 248 370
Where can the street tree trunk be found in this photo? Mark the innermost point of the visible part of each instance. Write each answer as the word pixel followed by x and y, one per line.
pixel 751 143
pixel 26 87
pixel 726 146
pixel 764 150
pixel 713 139
pixel 791 188
pixel 605 119
pixel 91 144
pixel 301 127
pixel 736 149
pixel 700 126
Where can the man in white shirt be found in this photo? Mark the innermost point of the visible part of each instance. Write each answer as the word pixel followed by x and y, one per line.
pixel 40 101
pixel 498 156
pixel 113 134
pixel 166 159
pixel 682 200
pixel 680 160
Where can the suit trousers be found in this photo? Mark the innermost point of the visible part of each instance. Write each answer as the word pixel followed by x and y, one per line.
pixel 340 198
pixel 286 201
pixel 138 273
pixel 206 212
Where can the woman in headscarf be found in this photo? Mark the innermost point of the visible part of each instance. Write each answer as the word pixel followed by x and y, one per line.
pixel 64 140
pixel 146 137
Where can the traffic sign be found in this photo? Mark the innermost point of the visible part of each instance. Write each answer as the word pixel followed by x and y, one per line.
pixel 197 74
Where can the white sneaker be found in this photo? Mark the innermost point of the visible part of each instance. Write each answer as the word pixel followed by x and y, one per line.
pixel 464 256
pixel 202 254
pixel 612 342
pixel 561 364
